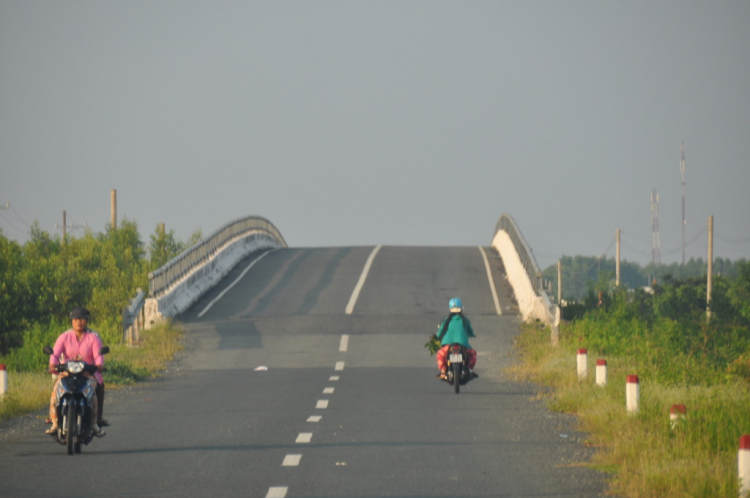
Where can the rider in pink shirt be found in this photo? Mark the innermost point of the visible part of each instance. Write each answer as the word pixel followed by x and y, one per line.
pixel 82 344
pixel 87 349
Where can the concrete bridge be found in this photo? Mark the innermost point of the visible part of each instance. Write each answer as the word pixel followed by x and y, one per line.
pixel 174 287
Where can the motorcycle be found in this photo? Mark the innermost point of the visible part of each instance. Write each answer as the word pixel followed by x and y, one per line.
pixel 458 373
pixel 74 404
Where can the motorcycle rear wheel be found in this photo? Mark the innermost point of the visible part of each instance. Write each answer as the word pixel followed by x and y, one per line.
pixel 71 428
pixel 456 378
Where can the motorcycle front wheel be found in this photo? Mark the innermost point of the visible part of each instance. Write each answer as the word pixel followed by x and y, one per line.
pixel 71 428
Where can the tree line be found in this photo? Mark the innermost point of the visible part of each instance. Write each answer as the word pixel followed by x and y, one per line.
pixel 582 275
pixel 42 279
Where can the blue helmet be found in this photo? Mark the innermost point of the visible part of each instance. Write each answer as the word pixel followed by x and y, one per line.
pixel 455 304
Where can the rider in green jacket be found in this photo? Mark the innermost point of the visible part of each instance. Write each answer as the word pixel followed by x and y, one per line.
pixel 456 328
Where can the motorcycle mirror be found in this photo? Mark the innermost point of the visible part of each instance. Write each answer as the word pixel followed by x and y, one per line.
pixel 48 350
pixel 104 350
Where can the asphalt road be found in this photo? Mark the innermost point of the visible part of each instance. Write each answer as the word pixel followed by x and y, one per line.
pixel 280 393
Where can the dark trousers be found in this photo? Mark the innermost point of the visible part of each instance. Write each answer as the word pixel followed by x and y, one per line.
pixel 100 400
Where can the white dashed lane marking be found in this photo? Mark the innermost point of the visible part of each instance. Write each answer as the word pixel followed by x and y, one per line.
pixel 291 460
pixel 344 344
pixel 306 437
pixel 277 492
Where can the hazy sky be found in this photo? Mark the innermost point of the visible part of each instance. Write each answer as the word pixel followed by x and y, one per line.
pixel 388 122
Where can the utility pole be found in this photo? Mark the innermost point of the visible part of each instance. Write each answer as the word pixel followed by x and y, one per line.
pixel 559 282
pixel 113 208
pixel 709 284
pixel 7 206
pixel 684 223
pixel 65 226
pixel 655 237
pixel 617 266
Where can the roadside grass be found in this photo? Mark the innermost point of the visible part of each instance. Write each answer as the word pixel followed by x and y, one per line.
pixel 29 391
pixel 644 455
pixel 127 365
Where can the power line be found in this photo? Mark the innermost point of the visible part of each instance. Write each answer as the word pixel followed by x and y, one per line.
pixel 635 249
pixel 638 236
pixel 731 240
pixel 19 230
pixel 643 241
pixel 17 215
pixel 690 242
pixel 609 247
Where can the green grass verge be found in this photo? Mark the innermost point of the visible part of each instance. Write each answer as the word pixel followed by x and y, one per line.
pixel 644 455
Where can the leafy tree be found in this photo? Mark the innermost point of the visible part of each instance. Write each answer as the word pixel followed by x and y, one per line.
pixel 121 268
pixel 41 281
pixel 739 292
pixel 195 237
pixel 40 275
pixel 164 246
pixel 12 294
pixel 680 300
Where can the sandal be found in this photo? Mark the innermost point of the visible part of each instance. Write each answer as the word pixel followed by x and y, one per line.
pixel 103 423
pixel 52 430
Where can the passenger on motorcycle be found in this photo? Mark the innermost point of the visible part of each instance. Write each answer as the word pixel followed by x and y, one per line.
pixel 82 344
pixel 455 328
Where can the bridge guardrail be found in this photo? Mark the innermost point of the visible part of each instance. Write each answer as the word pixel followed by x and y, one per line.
pixel 181 281
pixel 162 279
pixel 133 319
pixel 524 275
pixel 508 224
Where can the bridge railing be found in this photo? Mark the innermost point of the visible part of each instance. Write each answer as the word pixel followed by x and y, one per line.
pixel 508 224
pixel 524 275
pixel 162 279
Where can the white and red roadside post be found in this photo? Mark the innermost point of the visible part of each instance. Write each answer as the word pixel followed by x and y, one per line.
pixel 632 393
pixel 3 380
pixel 676 415
pixel 601 372
pixel 582 360
pixel 743 465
